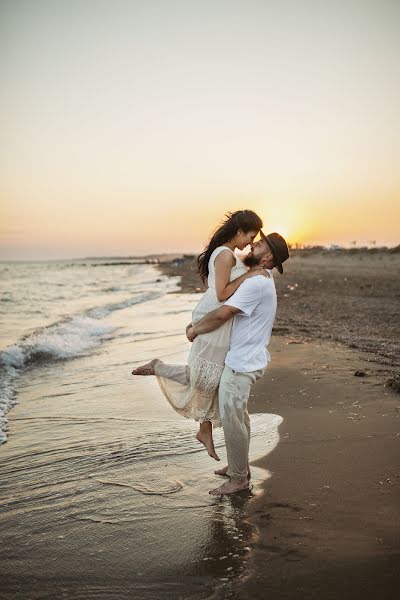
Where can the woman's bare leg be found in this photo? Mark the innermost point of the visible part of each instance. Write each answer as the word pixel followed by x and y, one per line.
pixel 180 373
pixel 204 435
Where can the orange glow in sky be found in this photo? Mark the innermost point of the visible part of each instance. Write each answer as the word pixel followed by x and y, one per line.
pixel 132 128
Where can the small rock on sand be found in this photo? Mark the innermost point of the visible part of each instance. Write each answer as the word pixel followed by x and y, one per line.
pixel 394 383
pixel 360 373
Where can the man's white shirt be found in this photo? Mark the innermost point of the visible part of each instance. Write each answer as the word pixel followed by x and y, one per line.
pixel 252 327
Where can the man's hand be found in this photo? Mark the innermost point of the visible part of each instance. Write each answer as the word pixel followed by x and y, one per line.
pixel 188 327
pixel 190 334
pixel 211 321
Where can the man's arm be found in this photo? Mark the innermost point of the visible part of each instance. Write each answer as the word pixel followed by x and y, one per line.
pixel 212 321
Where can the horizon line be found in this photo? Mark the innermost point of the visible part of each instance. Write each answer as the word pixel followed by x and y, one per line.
pixel 295 247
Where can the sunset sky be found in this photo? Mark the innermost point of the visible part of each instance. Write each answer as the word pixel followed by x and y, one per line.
pixel 131 127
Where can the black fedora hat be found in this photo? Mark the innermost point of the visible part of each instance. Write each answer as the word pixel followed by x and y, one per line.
pixel 279 248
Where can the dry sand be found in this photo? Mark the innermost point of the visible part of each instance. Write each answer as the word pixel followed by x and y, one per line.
pixel 329 520
pixel 351 297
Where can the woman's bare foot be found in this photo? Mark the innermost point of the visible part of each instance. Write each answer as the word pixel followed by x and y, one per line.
pixel 230 487
pixel 147 369
pixel 224 472
pixel 204 436
pixel 208 442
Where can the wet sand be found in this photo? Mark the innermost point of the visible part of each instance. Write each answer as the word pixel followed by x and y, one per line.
pixel 103 487
pixel 326 526
pixel 329 521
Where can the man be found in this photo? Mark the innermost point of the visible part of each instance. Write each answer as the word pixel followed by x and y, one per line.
pixel 253 308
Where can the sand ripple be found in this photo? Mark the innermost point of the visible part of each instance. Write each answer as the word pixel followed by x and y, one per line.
pixel 159 487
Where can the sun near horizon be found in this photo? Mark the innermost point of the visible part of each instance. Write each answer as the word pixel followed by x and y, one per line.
pixel 141 143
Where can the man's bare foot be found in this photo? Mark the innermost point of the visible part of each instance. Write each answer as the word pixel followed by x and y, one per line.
pixel 224 472
pixel 230 487
pixel 207 440
pixel 147 369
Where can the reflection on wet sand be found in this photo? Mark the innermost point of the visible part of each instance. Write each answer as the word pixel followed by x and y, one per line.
pixel 104 490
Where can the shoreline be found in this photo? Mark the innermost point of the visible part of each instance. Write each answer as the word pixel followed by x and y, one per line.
pixel 327 520
pixel 322 523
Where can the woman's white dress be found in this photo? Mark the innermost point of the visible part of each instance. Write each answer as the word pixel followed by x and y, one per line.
pixel 192 389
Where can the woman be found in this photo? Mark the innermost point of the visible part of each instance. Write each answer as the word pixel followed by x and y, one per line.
pixel 192 389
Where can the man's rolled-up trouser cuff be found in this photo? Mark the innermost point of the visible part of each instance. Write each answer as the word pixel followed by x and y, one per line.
pixel 236 475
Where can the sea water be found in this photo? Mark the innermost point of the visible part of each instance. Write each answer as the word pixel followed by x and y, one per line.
pixel 98 471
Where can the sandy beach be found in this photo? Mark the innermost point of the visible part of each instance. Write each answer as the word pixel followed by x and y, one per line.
pixel 104 489
pixel 347 296
pixel 328 523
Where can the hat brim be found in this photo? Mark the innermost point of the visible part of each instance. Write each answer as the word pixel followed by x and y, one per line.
pixel 278 262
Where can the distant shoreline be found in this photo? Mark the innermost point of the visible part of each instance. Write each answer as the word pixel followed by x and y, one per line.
pixel 307 250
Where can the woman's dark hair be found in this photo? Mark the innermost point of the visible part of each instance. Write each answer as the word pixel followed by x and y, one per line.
pixel 246 220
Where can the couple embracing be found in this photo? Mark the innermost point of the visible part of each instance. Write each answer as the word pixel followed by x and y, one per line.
pixel 230 331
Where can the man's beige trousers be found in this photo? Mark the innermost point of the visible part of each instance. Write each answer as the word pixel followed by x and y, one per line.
pixel 233 394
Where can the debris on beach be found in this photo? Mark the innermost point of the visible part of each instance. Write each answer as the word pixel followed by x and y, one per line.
pixel 394 383
pixel 360 373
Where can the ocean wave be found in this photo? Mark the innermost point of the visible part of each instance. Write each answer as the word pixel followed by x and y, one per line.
pixel 100 312
pixel 73 336
pixel 69 338
pixel 59 341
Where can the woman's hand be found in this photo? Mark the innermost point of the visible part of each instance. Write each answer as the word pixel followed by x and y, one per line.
pixel 257 271
pixel 190 334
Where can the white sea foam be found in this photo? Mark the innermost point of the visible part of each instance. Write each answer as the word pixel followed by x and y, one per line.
pixel 7 398
pixel 72 337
